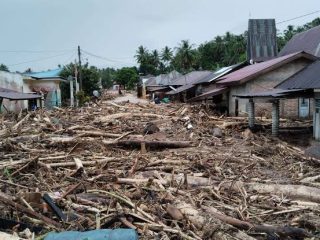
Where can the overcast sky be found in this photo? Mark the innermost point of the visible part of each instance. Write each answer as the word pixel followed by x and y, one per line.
pixel 49 31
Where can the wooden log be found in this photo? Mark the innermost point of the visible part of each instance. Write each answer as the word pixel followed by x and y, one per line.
pixel 293 191
pixel 6 199
pixel 283 232
pixel 72 164
pixel 96 134
pixel 111 117
pixel 15 127
pixel 151 144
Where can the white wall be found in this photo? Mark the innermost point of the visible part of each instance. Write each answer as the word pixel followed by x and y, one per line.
pixel 13 81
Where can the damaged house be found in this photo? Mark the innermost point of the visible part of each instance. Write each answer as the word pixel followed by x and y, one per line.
pixel 29 90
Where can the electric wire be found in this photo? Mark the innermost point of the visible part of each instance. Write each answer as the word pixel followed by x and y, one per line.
pixel 305 15
pixel 37 60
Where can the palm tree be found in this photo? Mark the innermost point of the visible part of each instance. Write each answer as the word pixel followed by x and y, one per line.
pixel 166 55
pixel 141 54
pixel 185 55
pixel 155 58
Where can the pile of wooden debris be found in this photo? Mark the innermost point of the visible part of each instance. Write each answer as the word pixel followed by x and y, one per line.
pixel 168 171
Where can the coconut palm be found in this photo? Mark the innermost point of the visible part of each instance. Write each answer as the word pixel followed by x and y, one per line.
pixel 141 54
pixel 185 55
pixel 166 55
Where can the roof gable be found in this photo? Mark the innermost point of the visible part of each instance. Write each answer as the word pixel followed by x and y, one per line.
pixel 45 74
pixel 252 71
pixel 308 41
pixel 307 78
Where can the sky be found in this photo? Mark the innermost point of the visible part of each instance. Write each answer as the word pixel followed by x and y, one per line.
pixel 40 34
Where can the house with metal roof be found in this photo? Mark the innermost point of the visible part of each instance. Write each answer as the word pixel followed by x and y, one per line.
pixel 184 86
pixel 262 77
pixel 307 41
pixel 303 85
pixel 28 90
pixel 46 83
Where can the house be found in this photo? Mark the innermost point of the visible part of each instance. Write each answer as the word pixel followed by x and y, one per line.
pixel 305 84
pixel 262 77
pixel 45 84
pixel 307 41
pixel 161 83
pixel 308 79
pixel 184 87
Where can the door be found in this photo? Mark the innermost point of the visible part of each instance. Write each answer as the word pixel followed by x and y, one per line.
pixel 304 107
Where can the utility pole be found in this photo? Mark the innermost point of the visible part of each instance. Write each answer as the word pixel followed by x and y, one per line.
pixel 80 73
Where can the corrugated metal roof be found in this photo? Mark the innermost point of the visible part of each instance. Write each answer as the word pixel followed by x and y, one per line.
pixel 209 94
pixel 13 95
pixel 155 89
pixel 308 41
pixel 45 74
pixel 190 78
pixel 262 40
pixel 274 93
pixel 163 79
pixel 307 78
pixel 181 89
pixel 219 73
pixel 247 73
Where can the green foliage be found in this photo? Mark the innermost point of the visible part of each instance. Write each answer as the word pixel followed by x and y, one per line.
pixel 90 79
pixel 108 76
pixel 127 77
pixel 4 68
pixel 221 51
pixel 82 98
pixel 7 173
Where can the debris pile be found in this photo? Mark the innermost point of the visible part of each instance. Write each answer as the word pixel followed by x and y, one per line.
pixel 167 171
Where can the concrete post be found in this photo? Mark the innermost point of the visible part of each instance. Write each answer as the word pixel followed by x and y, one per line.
pixel 42 100
pixel 316 116
pixel 71 92
pixel 275 117
pixel 251 113
pixel 77 90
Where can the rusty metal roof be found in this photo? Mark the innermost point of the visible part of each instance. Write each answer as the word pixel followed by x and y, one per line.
pixel 262 40
pixel 308 41
pixel 247 73
pixel 307 78
pixel 13 95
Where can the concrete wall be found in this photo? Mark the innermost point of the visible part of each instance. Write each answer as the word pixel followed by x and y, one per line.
pixel 13 81
pixel 53 97
pixel 267 82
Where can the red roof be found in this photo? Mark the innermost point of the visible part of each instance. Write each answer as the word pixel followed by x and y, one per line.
pixel 247 73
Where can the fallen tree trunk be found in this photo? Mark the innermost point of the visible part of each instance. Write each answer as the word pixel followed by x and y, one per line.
pixel 293 191
pixel 151 144
pixel 124 115
pixel 283 232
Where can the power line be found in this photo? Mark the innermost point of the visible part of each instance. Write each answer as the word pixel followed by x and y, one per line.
pixel 37 60
pixel 35 51
pixel 103 58
pixel 305 15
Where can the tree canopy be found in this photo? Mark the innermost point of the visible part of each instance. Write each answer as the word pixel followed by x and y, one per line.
pixel 4 68
pixel 221 51
pixel 127 77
